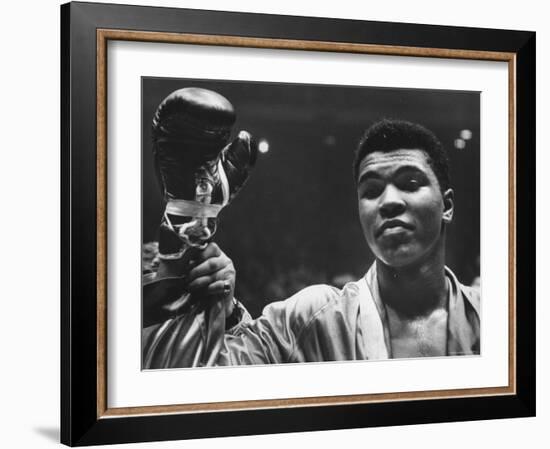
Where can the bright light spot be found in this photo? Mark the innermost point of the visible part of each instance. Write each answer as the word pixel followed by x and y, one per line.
pixel 263 146
pixel 460 144
pixel 466 134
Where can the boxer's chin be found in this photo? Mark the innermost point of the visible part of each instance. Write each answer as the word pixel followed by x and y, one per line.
pixel 398 256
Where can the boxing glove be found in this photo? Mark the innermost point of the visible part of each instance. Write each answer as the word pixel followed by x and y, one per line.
pixel 198 168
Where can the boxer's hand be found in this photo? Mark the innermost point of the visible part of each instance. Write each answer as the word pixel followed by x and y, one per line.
pixel 213 274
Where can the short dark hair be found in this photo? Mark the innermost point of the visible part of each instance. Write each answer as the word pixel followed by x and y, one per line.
pixel 390 135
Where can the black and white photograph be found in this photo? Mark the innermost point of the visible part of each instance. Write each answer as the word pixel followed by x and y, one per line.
pixel 280 222
pixel 292 223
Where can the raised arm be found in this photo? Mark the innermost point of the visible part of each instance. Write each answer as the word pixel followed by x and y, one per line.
pixel 317 323
pixel 209 327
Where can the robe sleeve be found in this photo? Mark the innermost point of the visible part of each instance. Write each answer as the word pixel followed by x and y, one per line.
pixel 200 337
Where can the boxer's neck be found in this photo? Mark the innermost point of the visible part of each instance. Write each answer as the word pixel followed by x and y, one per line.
pixel 417 289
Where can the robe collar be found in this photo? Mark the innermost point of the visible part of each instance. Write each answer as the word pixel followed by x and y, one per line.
pixel 462 327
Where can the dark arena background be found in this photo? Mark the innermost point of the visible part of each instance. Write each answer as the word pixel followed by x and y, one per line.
pixel 295 222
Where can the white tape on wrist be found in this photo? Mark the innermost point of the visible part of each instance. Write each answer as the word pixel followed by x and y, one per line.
pixel 186 208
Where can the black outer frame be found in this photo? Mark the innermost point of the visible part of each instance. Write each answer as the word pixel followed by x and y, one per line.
pixel 79 422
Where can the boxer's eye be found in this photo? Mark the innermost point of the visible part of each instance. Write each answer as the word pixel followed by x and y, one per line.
pixel 409 182
pixel 371 188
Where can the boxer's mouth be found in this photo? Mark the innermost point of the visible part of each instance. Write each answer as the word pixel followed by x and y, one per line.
pixel 393 224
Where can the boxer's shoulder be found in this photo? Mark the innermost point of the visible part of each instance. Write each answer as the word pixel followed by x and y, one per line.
pixel 316 303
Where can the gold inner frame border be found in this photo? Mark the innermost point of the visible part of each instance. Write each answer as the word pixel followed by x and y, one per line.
pixel 105 35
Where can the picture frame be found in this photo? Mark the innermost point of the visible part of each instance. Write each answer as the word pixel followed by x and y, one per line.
pixel 86 30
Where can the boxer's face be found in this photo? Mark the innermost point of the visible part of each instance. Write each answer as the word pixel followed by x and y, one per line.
pixel 401 206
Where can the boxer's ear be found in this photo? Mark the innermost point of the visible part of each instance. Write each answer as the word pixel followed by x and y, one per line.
pixel 448 205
